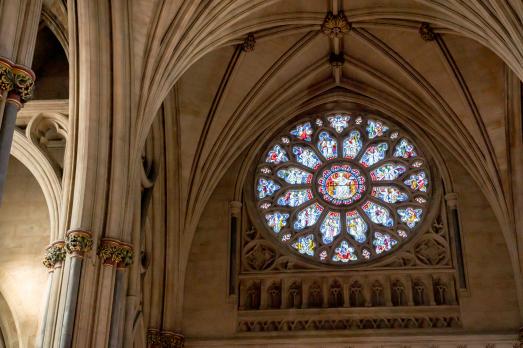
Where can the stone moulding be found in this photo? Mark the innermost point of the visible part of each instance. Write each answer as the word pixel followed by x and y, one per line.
pixel 54 255
pixel 17 79
pixel 113 252
pixel 164 339
pixel 78 242
pixel 335 26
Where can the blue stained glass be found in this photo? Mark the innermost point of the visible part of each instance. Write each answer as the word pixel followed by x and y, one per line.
pixel 410 216
pixel 383 242
pixel 344 253
pixel 308 216
pixel 276 155
pixel 373 154
pixel 356 226
pixel 339 122
pixel 387 171
pixel 305 245
pixel 417 182
pixel 276 220
pixel 294 198
pixel 330 227
pixel 378 214
pixel 376 129
pixel 303 131
pixel 327 145
pixel 404 149
pixel 294 175
pixel 389 194
pixel 352 145
pixel 266 187
pixel 307 157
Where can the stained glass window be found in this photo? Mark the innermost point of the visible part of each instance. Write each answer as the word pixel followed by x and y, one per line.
pixel 343 188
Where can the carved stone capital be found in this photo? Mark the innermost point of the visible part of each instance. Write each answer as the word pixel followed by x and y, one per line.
pixel 16 79
pixel 54 255
pixel 78 242
pixel 335 26
pixel 452 200
pixel 167 339
pixel 113 252
pixel 249 43
pixel 426 32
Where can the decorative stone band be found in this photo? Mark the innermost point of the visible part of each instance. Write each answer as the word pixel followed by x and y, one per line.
pixel 157 339
pixel 78 242
pixel 54 255
pixel 17 79
pixel 335 26
pixel 113 252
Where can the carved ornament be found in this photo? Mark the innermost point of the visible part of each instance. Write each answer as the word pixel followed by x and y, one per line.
pixel 426 32
pixel 113 252
pixel 167 339
pixel 249 43
pixel 335 26
pixel 336 60
pixel 78 242
pixel 54 254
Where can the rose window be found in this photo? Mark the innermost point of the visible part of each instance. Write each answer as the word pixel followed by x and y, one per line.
pixel 342 188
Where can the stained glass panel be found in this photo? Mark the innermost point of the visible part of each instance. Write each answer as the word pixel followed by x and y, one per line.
pixel 330 227
pixel 389 194
pixel 378 214
pixel 344 253
pixel 277 221
pixel 303 131
pixel 404 149
pixel 266 187
pixel 356 226
pixel 295 176
pixel 410 216
pixel 376 129
pixel 417 182
pixel 352 145
pixel 383 242
pixel 387 172
pixel 327 145
pixel 308 216
pixel 307 157
pixel 305 245
pixel 277 155
pixel 339 122
pixel 294 198
pixel 373 154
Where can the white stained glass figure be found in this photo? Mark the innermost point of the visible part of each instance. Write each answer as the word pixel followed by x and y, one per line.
pixel 389 194
pixel 378 214
pixel 352 145
pixel 356 226
pixel 277 221
pixel 330 227
pixel 276 155
pixel 373 154
pixel 266 187
pixel 306 156
pixel 404 149
pixel 387 171
pixel 308 216
pixel 305 245
pixel 295 176
pixel 294 198
pixel 376 129
pixel 410 216
pixel 344 253
pixel 339 122
pixel 327 145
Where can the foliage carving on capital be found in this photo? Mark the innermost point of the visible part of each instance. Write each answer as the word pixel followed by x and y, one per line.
pixel 78 242
pixel 115 253
pixel 335 26
pixel 54 254
pixel 17 79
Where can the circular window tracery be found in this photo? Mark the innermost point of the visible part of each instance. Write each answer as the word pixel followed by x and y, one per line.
pixel 342 188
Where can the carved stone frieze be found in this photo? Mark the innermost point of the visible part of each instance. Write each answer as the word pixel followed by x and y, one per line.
pixel 335 26
pixel 164 339
pixel 113 252
pixel 54 254
pixel 78 242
